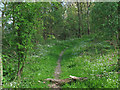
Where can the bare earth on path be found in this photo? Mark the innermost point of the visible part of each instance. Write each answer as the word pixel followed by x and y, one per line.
pixel 58 67
pixel 57 82
pixel 57 71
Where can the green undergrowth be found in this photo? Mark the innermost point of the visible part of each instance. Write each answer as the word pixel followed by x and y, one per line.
pixel 95 60
pixel 84 57
pixel 40 65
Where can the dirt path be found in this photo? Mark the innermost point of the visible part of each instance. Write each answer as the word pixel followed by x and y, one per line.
pixel 58 67
pixel 57 71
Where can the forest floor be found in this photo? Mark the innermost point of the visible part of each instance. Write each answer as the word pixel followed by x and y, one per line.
pixel 58 67
pixel 84 57
pixel 57 71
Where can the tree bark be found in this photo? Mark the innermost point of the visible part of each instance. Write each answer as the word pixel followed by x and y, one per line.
pixel 79 32
pixel 1 72
pixel 88 18
pixel 13 17
pixel 1 35
pixel 44 31
pixel 3 22
pixel 20 51
pixel 81 18
pixel 118 40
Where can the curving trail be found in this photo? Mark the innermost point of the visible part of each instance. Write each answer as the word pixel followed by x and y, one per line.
pixel 58 67
pixel 57 71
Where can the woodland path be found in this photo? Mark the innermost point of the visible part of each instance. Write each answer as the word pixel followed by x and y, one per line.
pixel 58 67
pixel 57 71
pixel 57 82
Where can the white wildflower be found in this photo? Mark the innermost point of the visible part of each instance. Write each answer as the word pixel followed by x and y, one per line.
pixel 39 74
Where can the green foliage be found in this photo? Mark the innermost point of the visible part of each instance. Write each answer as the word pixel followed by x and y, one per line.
pixel 86 58
pixel 34 34
pixel 106 19
pixel 82 58
pixel 40 64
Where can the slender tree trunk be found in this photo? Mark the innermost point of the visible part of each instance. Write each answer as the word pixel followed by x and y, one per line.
pixel 119 52
pixel 3 13
pixel 13 17
pixel 1 68
pixel 20 51
pixel 44 31
pixel 79 32
pixel 118 40
pixel 19 40
pixel 2 35
pixel 44 34
pixel 81 18
pixel 88 18
pixel 2 22
pixel 84 9
pixel 1 71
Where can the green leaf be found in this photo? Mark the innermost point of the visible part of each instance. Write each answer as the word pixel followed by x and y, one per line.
pixel 16 27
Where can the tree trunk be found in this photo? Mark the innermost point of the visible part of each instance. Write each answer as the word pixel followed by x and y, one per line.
pixel 88 18
pixel 79 33
pixel 1 72
pixel 20 51
pixel 118 40
pixel 44 34
pixel 3 23
pixel 81 18
pixel 1 35
pixel 44 31
pixel 13 17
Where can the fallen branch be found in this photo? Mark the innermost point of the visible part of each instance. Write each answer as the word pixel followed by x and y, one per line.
pixel 53 86
pixel 67 80
pixel 78 78
pixel 59 81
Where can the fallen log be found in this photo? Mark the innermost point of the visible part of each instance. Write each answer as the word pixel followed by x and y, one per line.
pixel 99 75
pixel 78 78
pixel 53 86
pixel 59 81
pixel 67 80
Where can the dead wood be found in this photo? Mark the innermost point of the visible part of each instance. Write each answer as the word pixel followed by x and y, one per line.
pixel 53 86
pixel 99 75
pixel 59 81
pixel 78 78
pixel 67 80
